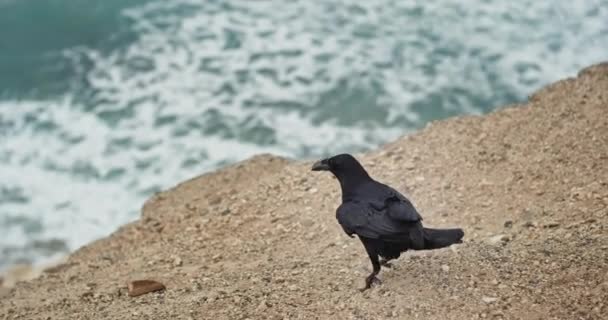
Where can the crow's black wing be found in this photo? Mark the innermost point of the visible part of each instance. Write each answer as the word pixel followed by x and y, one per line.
pixel 364 220
pixel 400 208
pixel 351 217
pixel 382 197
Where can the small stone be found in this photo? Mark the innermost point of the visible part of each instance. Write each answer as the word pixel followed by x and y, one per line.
pixel 177 262
pixel 499 239
pixel 308 223
pixel 87 294
pixel 485 183
pixel 196 285
pixel 445 268
pixel 508 224
pixel 310 236
pixel 551 224
pixel 139 287
pixel 489 299
pixel 409 166
pixel 262 306
pixel 313 190
pixel 215 200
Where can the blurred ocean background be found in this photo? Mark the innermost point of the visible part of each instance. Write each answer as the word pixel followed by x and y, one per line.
pixel 103 103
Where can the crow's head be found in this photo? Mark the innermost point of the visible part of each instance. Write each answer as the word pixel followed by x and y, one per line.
pixel 343 166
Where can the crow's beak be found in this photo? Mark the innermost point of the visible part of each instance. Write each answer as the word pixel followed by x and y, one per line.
pixel 320 165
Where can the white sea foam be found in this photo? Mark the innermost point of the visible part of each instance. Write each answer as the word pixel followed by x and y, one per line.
pixel 207 83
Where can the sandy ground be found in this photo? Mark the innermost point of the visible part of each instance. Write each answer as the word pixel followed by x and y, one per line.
pixel 259 239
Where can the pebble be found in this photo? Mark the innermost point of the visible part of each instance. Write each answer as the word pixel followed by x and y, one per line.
pixel 215 200
pixel 445 268
pixel 499 239
pixel 263 306
pixel 551 224
pixel 308 222
pixel 489 299
pixel 310 236
pixel 177 262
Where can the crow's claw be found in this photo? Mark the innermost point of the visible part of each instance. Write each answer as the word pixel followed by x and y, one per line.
pixel 369 281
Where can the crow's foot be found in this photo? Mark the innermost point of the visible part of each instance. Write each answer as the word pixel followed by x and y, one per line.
pixel 370 280
pixel 386 263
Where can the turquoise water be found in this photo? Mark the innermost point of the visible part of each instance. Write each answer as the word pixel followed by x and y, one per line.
pixel 103 103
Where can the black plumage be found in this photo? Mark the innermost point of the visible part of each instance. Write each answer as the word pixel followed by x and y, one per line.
pixel 385 221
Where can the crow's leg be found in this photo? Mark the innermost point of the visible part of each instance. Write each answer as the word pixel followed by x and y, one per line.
pixel 373 256
pixel 386 263
pixel 372 276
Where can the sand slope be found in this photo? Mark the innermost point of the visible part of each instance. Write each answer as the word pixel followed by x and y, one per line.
pixel 259 239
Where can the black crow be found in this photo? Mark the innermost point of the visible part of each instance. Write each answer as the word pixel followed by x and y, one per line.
pixel 385 221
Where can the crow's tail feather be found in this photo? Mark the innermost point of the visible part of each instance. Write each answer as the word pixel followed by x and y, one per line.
pixel 439 238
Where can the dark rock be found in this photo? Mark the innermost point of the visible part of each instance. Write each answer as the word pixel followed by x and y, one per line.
pixel 215 200
pixel 551 224
pixel 140 287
